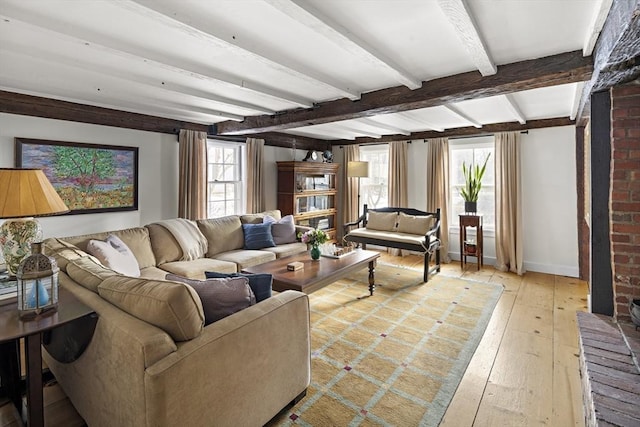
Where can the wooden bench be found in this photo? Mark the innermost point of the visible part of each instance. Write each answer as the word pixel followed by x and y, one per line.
pixel 387 231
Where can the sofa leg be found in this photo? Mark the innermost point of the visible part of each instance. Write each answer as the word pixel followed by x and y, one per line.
pixel 298 398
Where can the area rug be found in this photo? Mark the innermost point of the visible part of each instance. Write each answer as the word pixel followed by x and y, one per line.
pixel 395 358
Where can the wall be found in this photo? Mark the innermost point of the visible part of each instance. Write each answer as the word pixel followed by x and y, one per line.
pixel 625 197
pixel 549 200
pixel 158 170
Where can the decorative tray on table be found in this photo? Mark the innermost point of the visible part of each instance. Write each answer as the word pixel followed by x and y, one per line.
pixel 338 252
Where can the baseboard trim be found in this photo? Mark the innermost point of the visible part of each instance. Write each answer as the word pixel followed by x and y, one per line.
pixel 559 270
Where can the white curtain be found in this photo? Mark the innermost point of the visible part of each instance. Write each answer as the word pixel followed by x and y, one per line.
pixel 508 203
pixel 256 201
pixel 398 158
pixel 350 185
pixel 192 171
pixel 438 188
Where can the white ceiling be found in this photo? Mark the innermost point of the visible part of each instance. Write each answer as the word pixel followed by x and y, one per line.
pixel 207 61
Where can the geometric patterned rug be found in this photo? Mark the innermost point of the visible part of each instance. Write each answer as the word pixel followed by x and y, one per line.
pixel 393 359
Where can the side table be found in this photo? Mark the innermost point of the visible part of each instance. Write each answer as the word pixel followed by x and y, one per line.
pixel 13 328
pixel 470 247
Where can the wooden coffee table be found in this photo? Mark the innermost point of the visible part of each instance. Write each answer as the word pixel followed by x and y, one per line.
pixel 316 274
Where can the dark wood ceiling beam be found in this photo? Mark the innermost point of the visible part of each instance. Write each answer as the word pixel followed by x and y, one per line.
pixel 553 70
pixel 28 105
pixel 275 139
pixel 616 57
pixel 463 132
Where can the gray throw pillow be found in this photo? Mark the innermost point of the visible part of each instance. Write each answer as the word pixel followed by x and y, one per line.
pixel 220 297
pixel 283 230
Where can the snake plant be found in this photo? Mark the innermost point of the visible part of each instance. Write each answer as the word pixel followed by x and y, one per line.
pixel 473 180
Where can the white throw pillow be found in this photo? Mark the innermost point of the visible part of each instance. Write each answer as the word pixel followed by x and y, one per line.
pixel 115 254
pixel 283 230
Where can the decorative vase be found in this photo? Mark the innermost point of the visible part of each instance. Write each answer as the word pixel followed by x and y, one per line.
pixel 315 252
pixel 470 207
pixel 16 237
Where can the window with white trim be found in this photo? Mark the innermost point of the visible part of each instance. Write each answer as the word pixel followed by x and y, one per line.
pixel 472 152
pixel 374 190
pixel 225 189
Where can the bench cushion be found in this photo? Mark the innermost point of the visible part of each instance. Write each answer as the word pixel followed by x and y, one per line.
pixel 414 224
pixel 383 221
pixel 390 236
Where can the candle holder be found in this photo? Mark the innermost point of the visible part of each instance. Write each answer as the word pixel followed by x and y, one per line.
pixel 37 278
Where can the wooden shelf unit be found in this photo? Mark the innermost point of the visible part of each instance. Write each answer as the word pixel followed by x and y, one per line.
pixel 307 190
pixel 468 247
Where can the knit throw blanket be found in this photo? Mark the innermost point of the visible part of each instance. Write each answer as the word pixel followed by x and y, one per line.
pixel 191 240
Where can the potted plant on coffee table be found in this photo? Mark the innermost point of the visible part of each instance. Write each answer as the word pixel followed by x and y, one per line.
pixel 472 184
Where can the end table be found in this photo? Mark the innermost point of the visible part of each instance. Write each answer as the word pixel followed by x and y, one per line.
pixel 13 328
pixel 468 247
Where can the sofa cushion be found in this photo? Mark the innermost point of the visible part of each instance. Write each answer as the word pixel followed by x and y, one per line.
pixel 258 218
pixel 165 246
pixel 63 252
pixel 257 236
pixel 287 249
pixel 260 283
pixel 223 234
pixel 220 297
pixel 137 239
pixel 115 254
pixel 195 269
pixel 246 258
pixel 88 272
pixel 282 230
pixel 383 221
pixel 173 307
pixel 414 224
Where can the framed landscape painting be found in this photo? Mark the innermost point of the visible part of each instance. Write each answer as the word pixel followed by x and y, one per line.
pixel 90 178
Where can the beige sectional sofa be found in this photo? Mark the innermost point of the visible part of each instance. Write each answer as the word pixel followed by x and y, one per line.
pixel 151 362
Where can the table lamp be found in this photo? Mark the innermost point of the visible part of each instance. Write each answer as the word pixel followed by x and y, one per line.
pixel 24 194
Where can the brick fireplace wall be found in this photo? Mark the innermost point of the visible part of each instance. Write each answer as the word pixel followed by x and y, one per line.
pixel 625 196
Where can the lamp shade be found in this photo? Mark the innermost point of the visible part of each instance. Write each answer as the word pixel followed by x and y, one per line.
pixel 358 169
pixel 27 193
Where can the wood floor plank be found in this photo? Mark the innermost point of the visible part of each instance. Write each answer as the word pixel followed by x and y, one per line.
pixel 518 391
pixel 567 387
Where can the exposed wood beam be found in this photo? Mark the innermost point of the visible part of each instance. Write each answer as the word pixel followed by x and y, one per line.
pixel 131 52
pixel 372 121
pixel 453 109
pixel 468 131
pixel 171 16
pixel 351 129
pixel 459 16
pixel 345 39
pixel 279 140
pixel 27 105
pixel 513 107
pixel 553 70
pixel 616 57
pixel 597 22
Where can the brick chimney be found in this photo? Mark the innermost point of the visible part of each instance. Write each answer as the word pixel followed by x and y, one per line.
pixel 624 198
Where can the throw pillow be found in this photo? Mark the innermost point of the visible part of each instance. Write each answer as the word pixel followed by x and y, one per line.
pixel 283 230
pixel 115 254
pixel 257 236
pixel 260 283
pixel 383 221
pixel 220 297
pixel 414 224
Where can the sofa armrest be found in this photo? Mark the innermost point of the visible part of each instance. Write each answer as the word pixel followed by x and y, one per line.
pixel 267 344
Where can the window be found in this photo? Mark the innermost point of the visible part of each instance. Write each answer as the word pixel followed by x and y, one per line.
pixel 374 189
pixel 469 152
pixel 225 191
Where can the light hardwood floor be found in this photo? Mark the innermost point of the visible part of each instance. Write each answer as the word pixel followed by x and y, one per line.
pixel 525 370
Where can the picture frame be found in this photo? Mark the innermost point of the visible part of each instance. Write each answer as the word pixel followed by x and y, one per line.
pixel 90 178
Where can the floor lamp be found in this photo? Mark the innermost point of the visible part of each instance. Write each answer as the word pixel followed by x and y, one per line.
pixel 358 170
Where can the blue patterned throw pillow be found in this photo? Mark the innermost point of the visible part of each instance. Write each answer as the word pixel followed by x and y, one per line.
pixel 257 236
